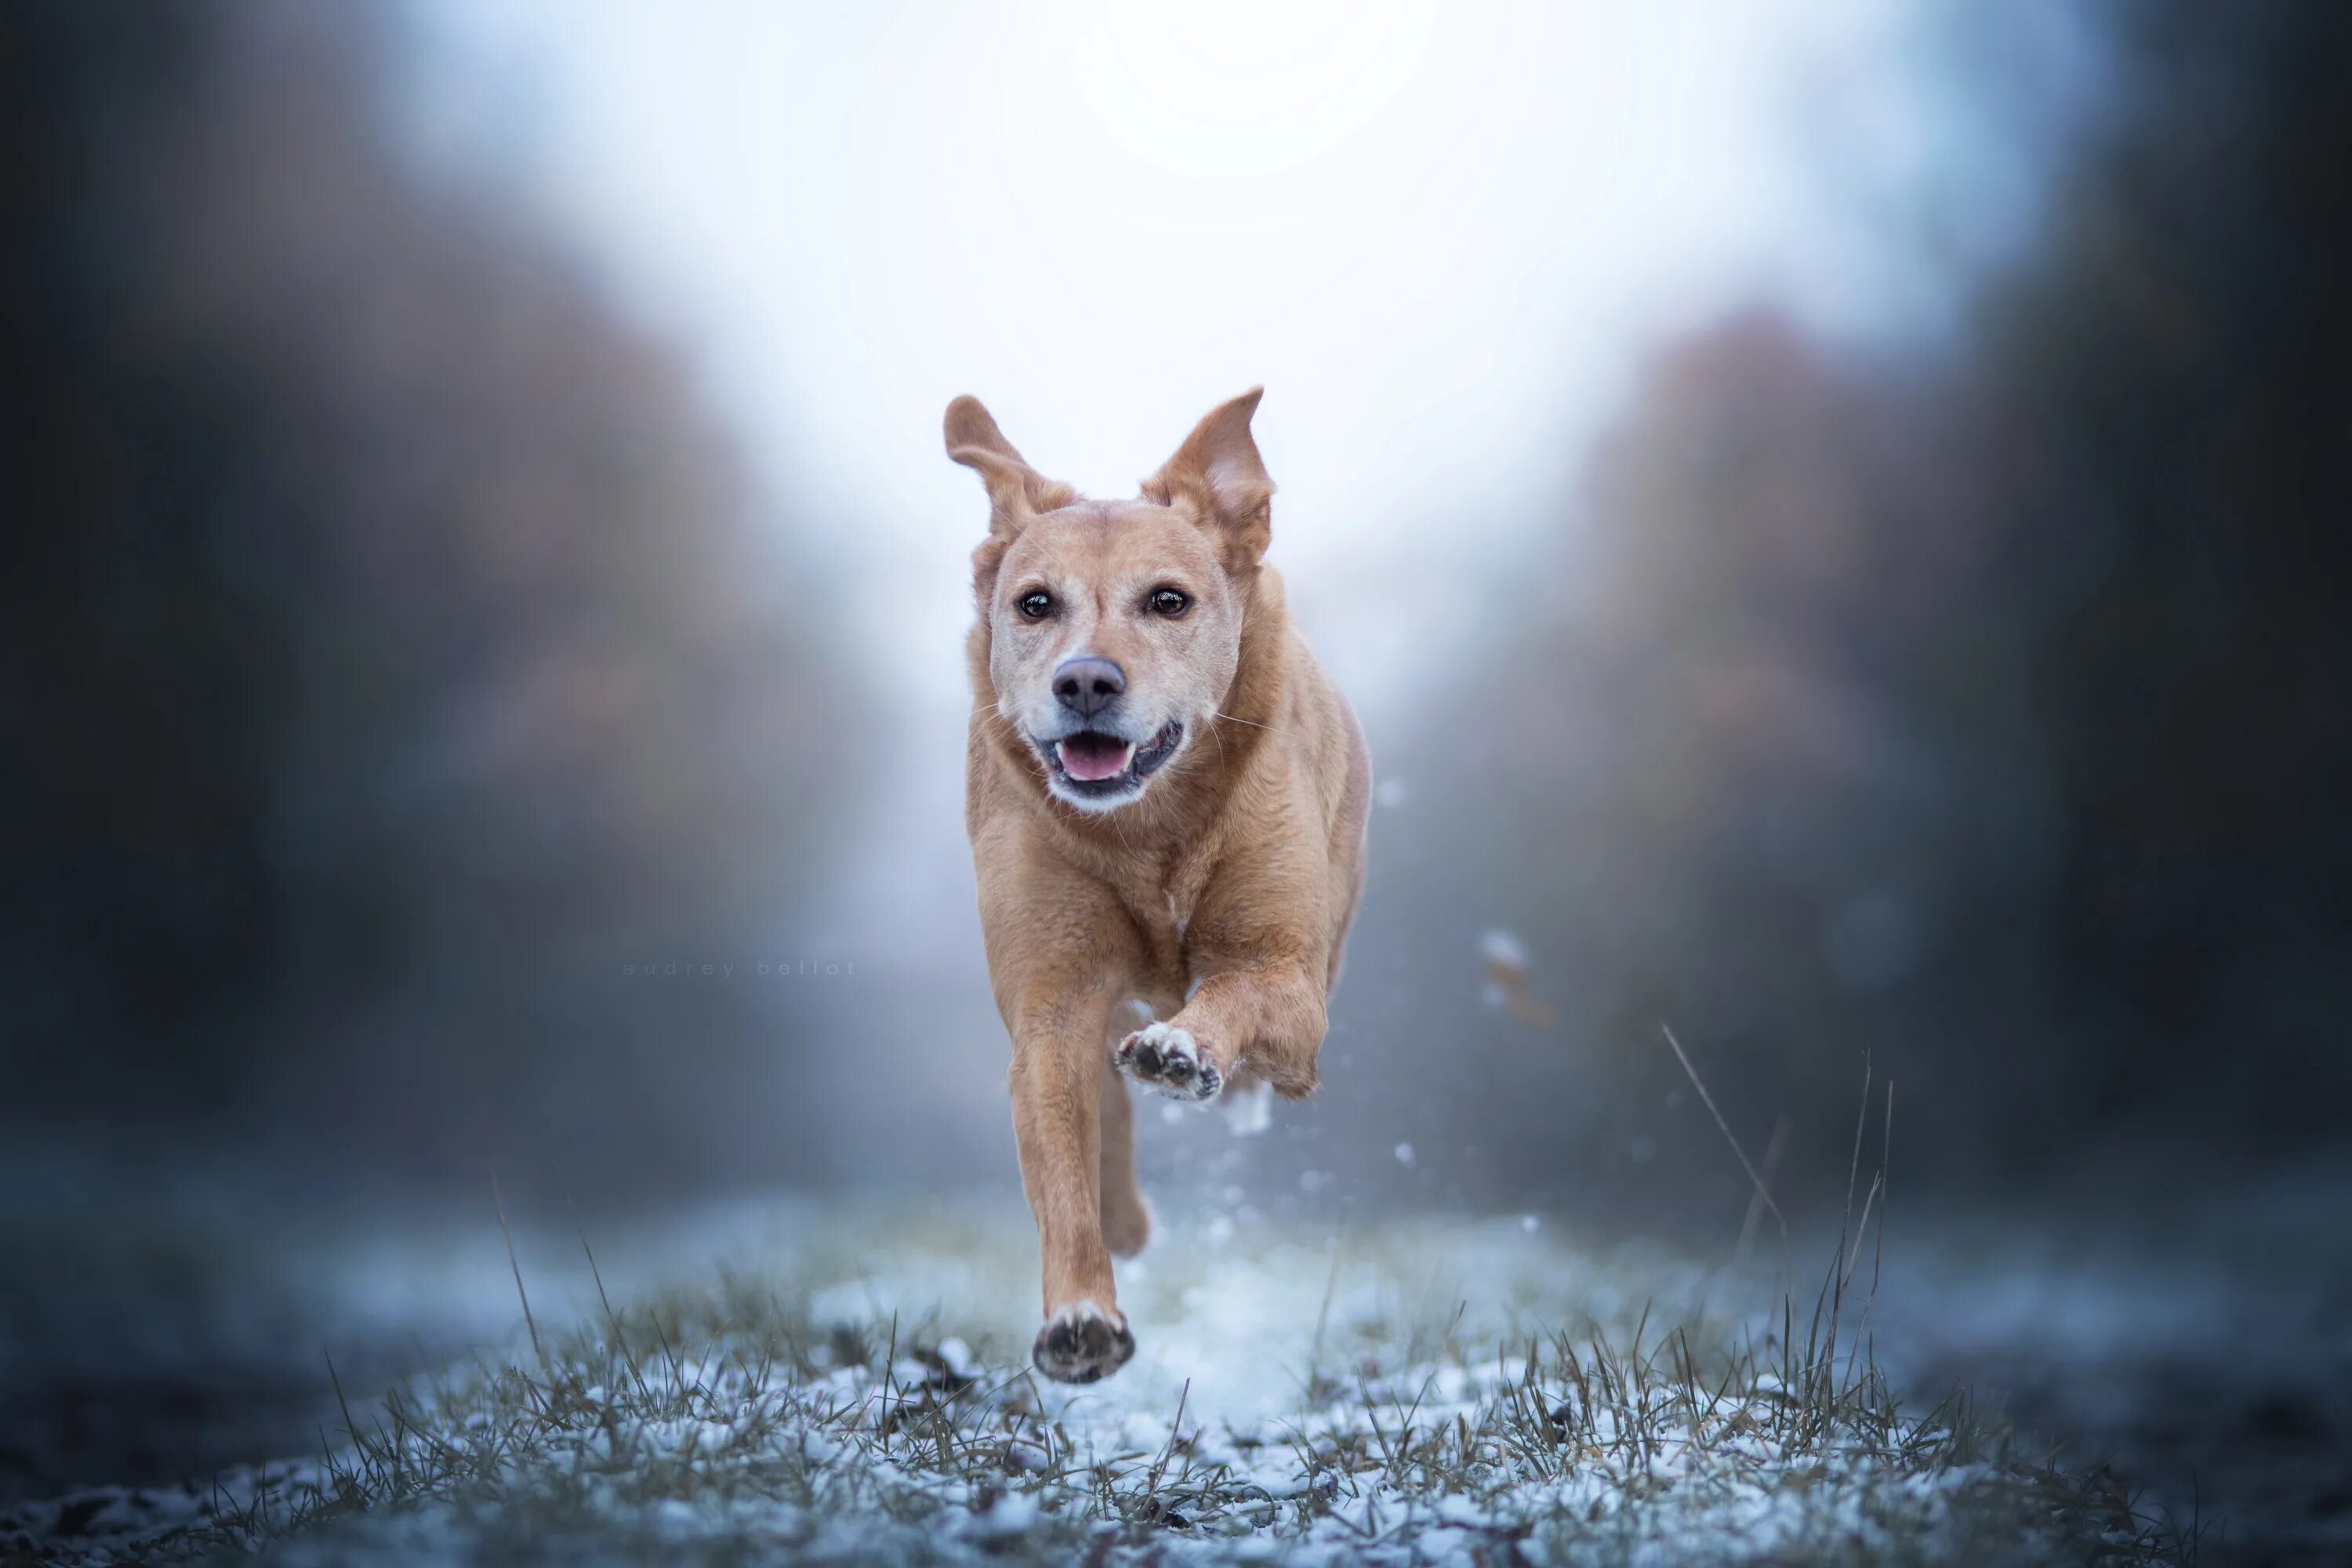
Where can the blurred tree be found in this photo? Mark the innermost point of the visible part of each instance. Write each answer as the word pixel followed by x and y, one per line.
pixel 394 648
pixel 1988 711
pixel 2178 369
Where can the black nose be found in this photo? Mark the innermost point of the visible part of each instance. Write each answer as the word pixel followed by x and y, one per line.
pixel 1086 686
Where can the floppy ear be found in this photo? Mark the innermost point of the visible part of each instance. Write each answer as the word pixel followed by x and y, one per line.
pixel 1218 475
pixel 1017 492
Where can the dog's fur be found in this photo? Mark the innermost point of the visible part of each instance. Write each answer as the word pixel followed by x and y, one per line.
pixel 1212 882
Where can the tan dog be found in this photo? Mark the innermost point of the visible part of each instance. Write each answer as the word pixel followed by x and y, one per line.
pixel 1166 797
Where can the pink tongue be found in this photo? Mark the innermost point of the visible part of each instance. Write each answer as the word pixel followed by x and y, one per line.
pixel 1092 757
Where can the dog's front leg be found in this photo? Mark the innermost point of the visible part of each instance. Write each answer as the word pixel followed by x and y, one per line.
pixel 1269 1019
pixel 1057 1072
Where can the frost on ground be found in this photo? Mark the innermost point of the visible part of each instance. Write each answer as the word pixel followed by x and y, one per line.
pixel 1474 1392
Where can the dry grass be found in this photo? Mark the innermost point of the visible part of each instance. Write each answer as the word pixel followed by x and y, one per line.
pixel 753 1421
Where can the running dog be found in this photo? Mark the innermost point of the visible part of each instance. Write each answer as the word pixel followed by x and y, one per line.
pixel 1166 797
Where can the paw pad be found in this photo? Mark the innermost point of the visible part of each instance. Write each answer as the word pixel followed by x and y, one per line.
pixel 1081 1344
pixel 1164 1058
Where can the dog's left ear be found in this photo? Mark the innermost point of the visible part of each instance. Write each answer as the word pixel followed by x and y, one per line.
pixel 1218 475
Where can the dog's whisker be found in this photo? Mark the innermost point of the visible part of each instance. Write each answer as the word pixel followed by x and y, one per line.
pixel 1271 729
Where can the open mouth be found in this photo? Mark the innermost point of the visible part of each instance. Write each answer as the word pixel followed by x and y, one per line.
pixel 1095 764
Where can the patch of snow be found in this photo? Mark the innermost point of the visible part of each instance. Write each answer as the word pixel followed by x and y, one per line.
pixel 1250 1111
pixel 1362 1398
pixel 1499 946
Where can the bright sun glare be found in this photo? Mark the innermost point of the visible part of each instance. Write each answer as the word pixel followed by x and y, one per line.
pixel 1227 89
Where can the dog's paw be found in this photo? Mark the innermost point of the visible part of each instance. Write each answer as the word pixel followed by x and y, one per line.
pixel 1164 1058
pixel 1081 1344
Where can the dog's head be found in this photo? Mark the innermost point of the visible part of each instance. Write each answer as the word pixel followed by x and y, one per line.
pixel 1114 627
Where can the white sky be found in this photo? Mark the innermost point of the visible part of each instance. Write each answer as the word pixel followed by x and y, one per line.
pixel 1441 236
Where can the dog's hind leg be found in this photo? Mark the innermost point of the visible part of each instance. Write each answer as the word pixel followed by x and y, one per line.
pixel 1126 1215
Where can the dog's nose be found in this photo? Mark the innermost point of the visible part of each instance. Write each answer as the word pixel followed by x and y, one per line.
pixel 1087 685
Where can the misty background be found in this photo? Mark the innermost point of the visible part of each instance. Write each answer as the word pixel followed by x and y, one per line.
pixel 1832 517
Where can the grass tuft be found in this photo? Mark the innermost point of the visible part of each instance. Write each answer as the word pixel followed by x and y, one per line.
pixel 748 1421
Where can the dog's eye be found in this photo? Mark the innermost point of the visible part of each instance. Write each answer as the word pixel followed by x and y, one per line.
pixel 1034 606
pixel 1170 602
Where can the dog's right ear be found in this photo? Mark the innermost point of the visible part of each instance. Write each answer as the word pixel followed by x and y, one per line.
pixel 1017 492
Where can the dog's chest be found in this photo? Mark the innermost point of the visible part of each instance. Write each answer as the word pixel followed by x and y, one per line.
pixel 1162 908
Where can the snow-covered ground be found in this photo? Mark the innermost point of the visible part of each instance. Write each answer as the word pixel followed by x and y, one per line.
pixel 791 1382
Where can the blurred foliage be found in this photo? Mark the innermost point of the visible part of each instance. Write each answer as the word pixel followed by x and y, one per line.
pixel 397 648
pixel 1989 712
pixel 394 647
